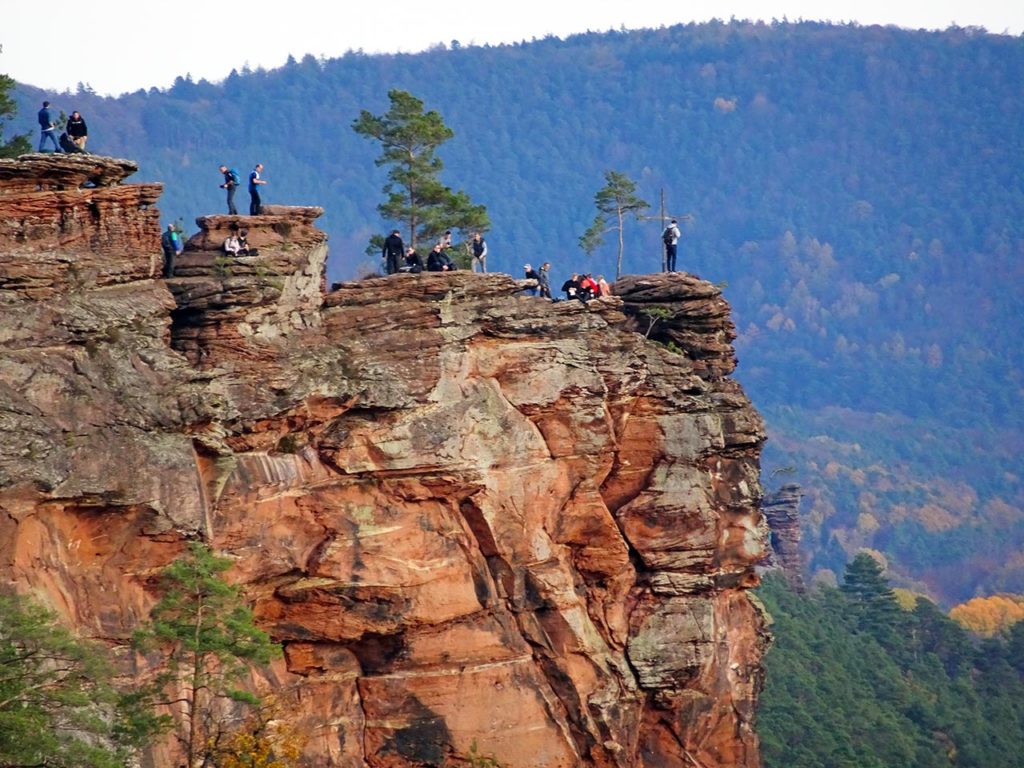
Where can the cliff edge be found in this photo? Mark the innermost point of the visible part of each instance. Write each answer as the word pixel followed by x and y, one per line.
pixel 471 516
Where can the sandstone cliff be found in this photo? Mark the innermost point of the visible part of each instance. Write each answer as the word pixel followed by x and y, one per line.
pixel 469 515
pixel 782 513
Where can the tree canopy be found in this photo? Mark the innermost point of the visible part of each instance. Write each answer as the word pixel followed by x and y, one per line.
pixel 409 138
pixel 57 706
pixel 17 144
pixel 616 199
pixel 903 689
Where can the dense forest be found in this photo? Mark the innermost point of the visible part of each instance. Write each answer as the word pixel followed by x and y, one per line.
pixel 858 191
pixel 856 681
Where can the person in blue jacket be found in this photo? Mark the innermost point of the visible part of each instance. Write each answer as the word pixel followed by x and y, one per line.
pixel 48 128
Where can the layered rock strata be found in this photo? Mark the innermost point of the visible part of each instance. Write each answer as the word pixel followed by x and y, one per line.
pixel 472 517
pixel 782 513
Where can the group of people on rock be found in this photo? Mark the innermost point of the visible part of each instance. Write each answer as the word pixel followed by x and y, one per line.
pixel 584 287
pixel 399 258
pixel 232 181
pixel 70 140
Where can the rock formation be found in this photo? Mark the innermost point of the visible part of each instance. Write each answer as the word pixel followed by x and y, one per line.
pixel 470 516
pixel 782 513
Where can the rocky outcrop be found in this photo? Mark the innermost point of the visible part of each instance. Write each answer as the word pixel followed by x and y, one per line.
pixel 782 512
pixel 471 516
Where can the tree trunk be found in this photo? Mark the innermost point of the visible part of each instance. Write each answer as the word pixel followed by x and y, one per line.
pixel 618 267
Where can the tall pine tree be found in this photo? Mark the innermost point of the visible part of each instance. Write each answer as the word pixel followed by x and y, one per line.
pixel 409 138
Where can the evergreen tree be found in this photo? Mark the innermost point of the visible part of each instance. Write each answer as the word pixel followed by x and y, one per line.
pixel 18 144
pixel 616 198
pixel 57 708
pixel 872 601
pixel 209 641
pixel 410 138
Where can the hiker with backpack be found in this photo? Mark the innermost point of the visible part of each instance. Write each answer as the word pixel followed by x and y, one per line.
pixel 670 237
pixel 231 182
pixel 172 247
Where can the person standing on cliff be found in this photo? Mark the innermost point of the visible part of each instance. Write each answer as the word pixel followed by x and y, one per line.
pixel 392 252
pixel 543 280
pixel 231 182
pixel 172 246
pixel 671 239
pixel 77 130
pixel 255 203
pixel 479 260
pixel 48 128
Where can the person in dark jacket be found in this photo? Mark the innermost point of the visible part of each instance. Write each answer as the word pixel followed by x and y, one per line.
pixel 231 182
pixel 48 128
pixel 531 274
pixel 413 261
pixel 438 261
pixel 77 130
pixel 255 182
pixel 392 252
pixel 571 286
pixel 69 146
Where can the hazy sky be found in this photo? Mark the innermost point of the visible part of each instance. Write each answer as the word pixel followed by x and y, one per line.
pixel 117 46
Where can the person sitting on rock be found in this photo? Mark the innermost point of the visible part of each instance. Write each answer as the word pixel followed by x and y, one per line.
pixel 413 261
pixel 69 146
pixel 602 286
pixel 571 286
pixel 243 244
pixel 233 245
pixel 588 289
pixel 438 261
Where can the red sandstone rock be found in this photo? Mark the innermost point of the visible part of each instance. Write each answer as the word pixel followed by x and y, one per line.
pixel 470 516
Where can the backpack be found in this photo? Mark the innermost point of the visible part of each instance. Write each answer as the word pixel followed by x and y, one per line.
pixel 233 174
pixel 667 236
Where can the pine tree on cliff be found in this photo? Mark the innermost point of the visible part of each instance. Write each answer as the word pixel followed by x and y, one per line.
pixel 16 145
pixel 209 641
pixel 410 138
pixel 615 199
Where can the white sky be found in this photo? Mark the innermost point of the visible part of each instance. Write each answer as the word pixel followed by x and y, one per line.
pixel 123 45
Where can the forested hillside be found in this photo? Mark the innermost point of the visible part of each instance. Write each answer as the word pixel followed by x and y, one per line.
pixel 859 191
pixel 855 682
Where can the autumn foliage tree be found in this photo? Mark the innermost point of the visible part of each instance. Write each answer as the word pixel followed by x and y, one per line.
pixel 988 615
